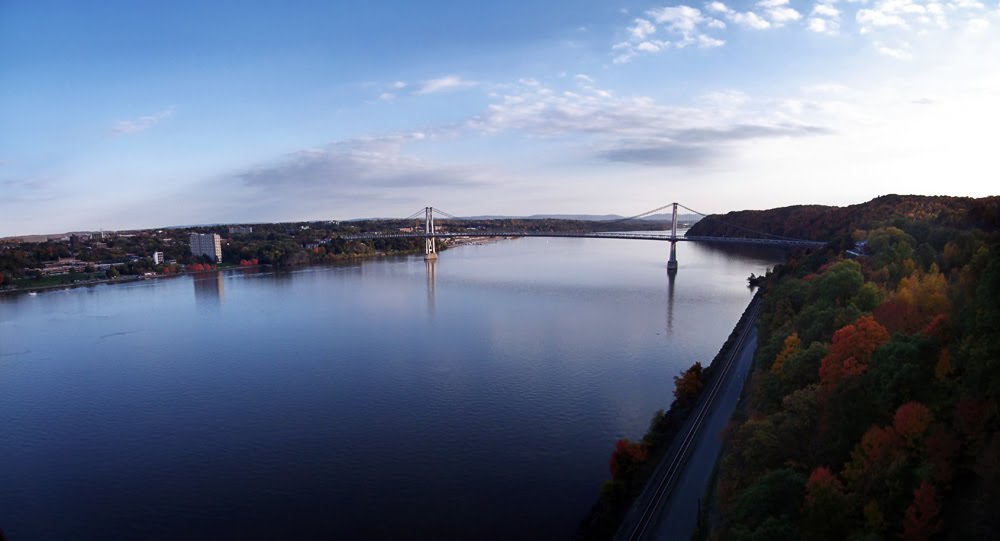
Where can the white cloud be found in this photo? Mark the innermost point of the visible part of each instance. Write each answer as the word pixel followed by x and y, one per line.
pixel 642 29
pixel 824 18
pixel 977 26
pixel 444 84
pixel 685 25
pixel 823 26
pixel 637 129
pixel 899 52
pixel 826 10
pixel 747 19
pixel 398 85
pixel 125 127
pixel 826 88
pixel 364 166
pixel 386 96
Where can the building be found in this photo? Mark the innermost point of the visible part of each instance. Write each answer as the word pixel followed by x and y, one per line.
pixel 157 258
pixel 240 230
pixel 207 244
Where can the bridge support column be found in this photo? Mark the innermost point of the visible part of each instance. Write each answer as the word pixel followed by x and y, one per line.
pixel 672 262
pixel 430 248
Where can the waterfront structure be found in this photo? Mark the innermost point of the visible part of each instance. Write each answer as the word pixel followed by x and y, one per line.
pixel 207 244
pixel 157 258
pixel 431 234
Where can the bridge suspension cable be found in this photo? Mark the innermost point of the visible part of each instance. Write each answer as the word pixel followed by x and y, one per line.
pixel 416 214
pixel 443 213
pixel 644 214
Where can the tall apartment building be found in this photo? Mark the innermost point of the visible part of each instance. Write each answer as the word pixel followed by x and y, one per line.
pixel 157 258
pixel 209 244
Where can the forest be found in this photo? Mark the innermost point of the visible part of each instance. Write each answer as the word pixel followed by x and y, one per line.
pixel 819 222
pixel 873 409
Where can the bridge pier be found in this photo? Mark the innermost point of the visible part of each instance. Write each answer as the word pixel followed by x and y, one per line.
pixel 672 262
pixel 430 247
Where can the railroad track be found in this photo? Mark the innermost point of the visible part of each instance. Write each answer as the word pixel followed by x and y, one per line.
pixel 667 473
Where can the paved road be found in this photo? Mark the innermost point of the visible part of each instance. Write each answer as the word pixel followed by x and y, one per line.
pixel 679 516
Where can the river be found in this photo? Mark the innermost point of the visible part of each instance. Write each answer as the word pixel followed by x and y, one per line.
pixel 476 397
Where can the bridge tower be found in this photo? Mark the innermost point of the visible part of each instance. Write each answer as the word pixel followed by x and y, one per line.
pixel 672 262
pixel 430 248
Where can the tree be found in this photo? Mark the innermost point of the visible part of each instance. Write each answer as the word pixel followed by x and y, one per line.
pixel 792 345
pixel 627 457
pixel 921 520
pixel 827 508
pixel 851 350
pixel 911 421
pixel 688 385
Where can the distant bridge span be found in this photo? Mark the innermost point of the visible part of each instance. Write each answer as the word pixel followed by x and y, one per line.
pixel 584 235
pixel 431 234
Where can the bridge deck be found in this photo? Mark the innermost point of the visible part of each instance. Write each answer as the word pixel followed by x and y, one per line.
pixel 586 235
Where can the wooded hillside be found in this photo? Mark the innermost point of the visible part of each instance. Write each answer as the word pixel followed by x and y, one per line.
pixel 873 411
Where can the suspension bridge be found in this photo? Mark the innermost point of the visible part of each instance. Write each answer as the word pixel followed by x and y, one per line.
pixel 431 234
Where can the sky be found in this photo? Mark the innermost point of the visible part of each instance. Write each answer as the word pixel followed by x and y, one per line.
pixel 123 115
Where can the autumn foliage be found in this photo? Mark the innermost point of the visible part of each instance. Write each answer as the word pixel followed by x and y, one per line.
pixel 851 350
pixel 921 520
pixel 874 393
pixel 627 457
pixel 689 384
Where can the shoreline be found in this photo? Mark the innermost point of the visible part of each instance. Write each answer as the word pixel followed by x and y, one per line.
pixel 469 241
pixel 605 522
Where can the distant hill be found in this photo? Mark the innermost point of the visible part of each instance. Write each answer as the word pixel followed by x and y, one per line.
pixel 820 222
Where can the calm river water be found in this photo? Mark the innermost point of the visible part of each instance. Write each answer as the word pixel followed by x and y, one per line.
pixel 478 398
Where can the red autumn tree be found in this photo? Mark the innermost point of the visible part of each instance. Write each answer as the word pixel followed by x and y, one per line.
pixel 921 520
pixel 851 350
pixel 911 421
pixel 826 507
pixel 627 457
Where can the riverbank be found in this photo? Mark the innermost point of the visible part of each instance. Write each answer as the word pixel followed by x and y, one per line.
pixel 617 511
pixel 453 243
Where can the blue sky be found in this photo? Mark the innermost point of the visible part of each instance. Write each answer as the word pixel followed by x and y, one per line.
pixel 141 114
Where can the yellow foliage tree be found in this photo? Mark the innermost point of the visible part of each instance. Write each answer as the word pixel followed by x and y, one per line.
pixel 792 346
pixel 927 292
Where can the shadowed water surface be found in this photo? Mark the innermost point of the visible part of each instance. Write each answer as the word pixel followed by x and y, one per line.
pixel 476 397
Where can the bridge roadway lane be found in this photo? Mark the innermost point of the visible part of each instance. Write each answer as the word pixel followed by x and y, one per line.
pixel 679 516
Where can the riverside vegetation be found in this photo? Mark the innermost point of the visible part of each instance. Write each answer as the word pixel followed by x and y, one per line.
pixel 873 410
pixel 632 463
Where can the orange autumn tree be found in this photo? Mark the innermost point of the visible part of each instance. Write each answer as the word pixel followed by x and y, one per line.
pixel 851 350
pixel 792 345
